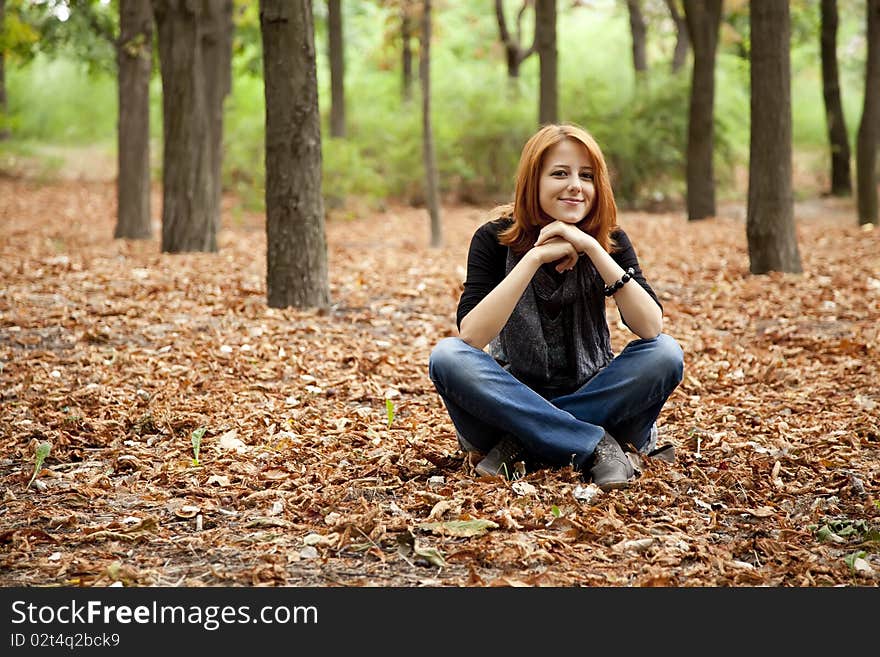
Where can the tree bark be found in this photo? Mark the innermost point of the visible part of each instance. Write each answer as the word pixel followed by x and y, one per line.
pixel 770 225
pixel 4 130
pixel 682 42
pixel 703 19
pixel 545 38
pixel 431 177
pixel 639 37
pixel 296 257
pixel 190 213
pixel 406 50
pixel 866 142
pixel 134 56
pixel 514 51
pixel 838 141
pixel 336 54
pixel 217 58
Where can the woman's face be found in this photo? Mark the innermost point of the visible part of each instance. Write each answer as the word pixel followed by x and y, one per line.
pixel 566 190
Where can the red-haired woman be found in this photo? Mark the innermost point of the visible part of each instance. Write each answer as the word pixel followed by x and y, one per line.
pixel 549 389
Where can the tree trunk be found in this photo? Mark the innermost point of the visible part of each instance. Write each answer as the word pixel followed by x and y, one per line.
pixel 703 19
pixel 406 50
pixel 639 39
pixel 337 68
pixel 296 246
pixel 866 146
pixel 190 213
pixel 431 178
pixel 838 140
pixel 134 57
pixel 217 59
pixel 4 130
pixel 545 38
pixel 513 48
pixel 770 217
pixel 682 42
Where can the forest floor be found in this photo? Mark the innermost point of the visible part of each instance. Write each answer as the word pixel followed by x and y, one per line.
pixel 327 457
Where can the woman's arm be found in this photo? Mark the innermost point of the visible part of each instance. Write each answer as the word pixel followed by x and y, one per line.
pixel 637 308
pixel 485 321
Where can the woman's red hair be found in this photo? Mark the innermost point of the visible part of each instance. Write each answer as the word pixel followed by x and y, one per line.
pixel 529 218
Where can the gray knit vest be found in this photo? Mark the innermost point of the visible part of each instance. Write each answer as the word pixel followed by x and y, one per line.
pixel 556 353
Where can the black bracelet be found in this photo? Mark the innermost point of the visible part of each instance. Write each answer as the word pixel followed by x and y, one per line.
pixel 614 287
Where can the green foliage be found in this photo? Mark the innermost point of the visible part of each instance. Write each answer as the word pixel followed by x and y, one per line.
pixel 196 439
pixel 41 453
pixel 58 101
pixel 18 34
pixel 389 411
pixel 480 119
pixel 850 559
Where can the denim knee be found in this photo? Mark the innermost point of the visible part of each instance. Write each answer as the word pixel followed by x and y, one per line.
pixel 444 357
pixel 667 358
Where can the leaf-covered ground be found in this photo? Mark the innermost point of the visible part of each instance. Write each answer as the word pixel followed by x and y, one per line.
pixel 115 354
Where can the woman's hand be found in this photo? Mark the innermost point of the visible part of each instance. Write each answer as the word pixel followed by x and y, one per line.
pixel 581 241
pixel 556 250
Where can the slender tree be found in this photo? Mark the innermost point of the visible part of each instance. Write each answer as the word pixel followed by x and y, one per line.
pixel 296 262
pixel 134 56
pixel 216 46
pixel 639 31
pixel 406 20
pixel 682 42
pixel 336 55
pixel 703 19
pixel 545 39
pixel 514 49
pixel 770 216
pixel 838 139
pixel 4 131
pixel 432 183
pixel 869 130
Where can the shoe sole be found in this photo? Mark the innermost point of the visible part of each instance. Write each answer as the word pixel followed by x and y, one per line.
pixel 486 472
pixel 614 485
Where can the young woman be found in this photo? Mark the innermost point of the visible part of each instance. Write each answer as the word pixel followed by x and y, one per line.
pixel 532 375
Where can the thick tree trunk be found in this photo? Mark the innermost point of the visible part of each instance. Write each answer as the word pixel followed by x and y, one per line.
pixel 770 226
pixel 336 48
pixel 545 38
pixel 296 255
pixel 703 19
pixel 431 178
pixel 190 213
pixel 4 130
pixel 838 141
pixel 869 130
pixel 682 42
pixel 515 53
pixel 134 56
pixel 639 37
pixel 406 50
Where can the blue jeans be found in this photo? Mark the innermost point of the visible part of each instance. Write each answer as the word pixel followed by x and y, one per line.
pixel 485 401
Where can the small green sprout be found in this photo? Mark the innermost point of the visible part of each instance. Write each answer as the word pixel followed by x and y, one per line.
pixel 389 411
pixel 197 443
pixel 42 452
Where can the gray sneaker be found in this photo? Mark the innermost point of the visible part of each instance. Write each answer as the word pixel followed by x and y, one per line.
pixel 501 459
pixel 611 468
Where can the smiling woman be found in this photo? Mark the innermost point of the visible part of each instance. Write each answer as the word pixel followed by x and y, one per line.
pixel 549 390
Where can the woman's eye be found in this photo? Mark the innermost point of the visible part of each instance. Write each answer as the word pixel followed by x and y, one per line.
pixel 587 176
